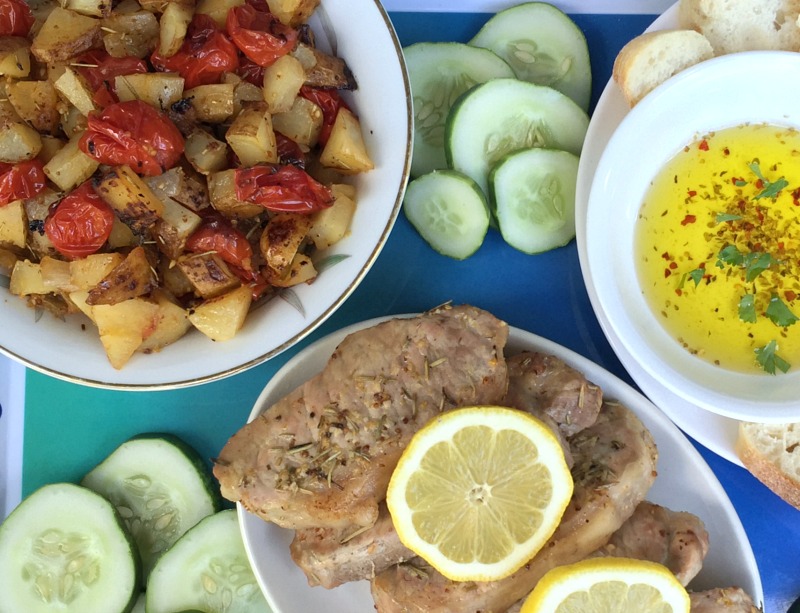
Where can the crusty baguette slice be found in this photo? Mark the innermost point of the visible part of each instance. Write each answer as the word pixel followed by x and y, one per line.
pixel 772 453
pixel 743 25
pixel 653 57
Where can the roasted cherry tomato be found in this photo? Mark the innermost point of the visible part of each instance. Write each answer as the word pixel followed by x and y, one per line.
pixel 259 34
pixel 250 71
pixel 205 55
pixel 80 224
pixel 133 133
pixel 330 102
pixel 289 152
pixel 22 180
pixel 217 234
pixel 99 69
pixel 282 188
pixel 16 18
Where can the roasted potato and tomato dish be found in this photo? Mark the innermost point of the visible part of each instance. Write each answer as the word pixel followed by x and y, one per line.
pixel 166 165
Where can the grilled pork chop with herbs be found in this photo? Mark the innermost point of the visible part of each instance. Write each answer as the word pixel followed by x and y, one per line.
pixel 539 384
pixel 323 456
pixel 615 466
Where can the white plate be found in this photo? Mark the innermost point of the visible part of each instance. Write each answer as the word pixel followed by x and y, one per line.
pixel 684 482
pixel 361 33
pixel 716 432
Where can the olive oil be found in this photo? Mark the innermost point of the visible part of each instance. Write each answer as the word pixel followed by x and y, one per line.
pixel 718 247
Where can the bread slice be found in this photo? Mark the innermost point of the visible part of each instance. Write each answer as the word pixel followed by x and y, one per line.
pixel 653 57
pixel 772 453
pixel 743 25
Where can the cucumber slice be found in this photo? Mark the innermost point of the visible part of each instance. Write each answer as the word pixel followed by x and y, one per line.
pixel 439 73
pixel 506 115
pixel 449 210
pixel 208 570
pixel 544 46
pixel 64 548
pixel 534 196
pixel 161 488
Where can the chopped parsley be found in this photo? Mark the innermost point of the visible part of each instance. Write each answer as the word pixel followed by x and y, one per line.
pixel 779 313
pixel 771 189
pixel 770 360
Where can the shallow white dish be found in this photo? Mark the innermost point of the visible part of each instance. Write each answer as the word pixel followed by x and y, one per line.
pixel 361 33
pixel 717 432
pixel 684 482
pixel 668 119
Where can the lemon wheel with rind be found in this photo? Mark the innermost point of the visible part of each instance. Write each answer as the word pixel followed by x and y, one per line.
pixel 479 491
pixel 600 585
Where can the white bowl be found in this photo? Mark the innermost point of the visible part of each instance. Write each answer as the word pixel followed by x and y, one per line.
pixel 361 33
pixel 684 482
pixel 712 95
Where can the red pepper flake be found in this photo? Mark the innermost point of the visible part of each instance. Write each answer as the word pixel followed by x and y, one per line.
pixel 679 292
pixel 760 184
pixel 726 151
pixel 703 146
pixel 673 265
pixel 666 256
pixel 667 272
pixel 796 197
pixel 790 295
pixel 738 181
pixel 688 219
pixel 692 193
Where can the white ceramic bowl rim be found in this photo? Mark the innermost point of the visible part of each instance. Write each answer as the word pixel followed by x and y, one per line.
pixel 71 350
pixel 715 94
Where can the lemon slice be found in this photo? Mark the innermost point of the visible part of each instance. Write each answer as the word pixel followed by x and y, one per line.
pixel 478 491
pixel 601 585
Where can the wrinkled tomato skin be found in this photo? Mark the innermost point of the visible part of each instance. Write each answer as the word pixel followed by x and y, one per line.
pixel 259 34
pixel 21 181
pixel 80 224
pixel 16 18
pixel 218 235
pixel 100 69
pixel 289 152
pixel 250 71
pixel 330 102
pixel 133 133
pixel 205 55
pixel 282 188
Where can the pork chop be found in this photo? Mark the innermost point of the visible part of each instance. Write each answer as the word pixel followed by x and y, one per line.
pixel 723 600
pixel 676 539
pixel 615 465
pixel 323 456
pixel 330 557
pixel 545 383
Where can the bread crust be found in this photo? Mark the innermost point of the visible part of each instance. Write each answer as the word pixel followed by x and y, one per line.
pixel 653 57
pixel 763 467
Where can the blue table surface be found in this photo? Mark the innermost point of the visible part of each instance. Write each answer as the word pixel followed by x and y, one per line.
pixel 544 294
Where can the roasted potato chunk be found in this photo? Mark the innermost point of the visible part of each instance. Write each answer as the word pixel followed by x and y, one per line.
pixel 132 278
pixel 15 57
pixel 281 240
pixel 13 225
pixel 292 12
pixel 70 166
pixel 345 150
pixel 131 198
pixel 64 35
pixel 222 317
pixel 251 136
pixel 133 33
pixel 124 326
pixel 36 103
pixel 222 191
pixel 208 274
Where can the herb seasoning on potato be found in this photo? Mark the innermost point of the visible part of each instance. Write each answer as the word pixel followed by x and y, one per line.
pixel 167 165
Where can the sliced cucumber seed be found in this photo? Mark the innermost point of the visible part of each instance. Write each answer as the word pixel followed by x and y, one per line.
pixel 449 211
pixel 439 73
pixel 543 45
pixel 534 196
pixel 502 116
